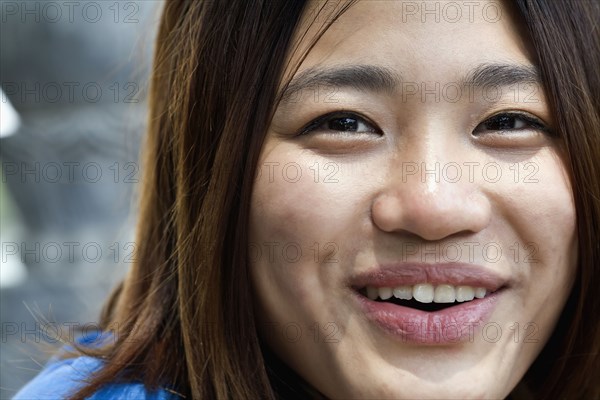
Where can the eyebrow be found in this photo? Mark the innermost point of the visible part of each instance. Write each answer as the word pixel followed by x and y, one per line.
pixel 373 78
pixel 501 75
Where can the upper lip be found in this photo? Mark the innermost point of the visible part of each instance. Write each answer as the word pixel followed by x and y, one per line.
pixel 408 274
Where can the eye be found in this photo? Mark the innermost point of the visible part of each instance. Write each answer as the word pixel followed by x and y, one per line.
pixel 341 122
pixel 506 122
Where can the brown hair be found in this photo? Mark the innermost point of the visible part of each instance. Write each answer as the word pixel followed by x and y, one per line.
pixel 214 89
pixel 566 38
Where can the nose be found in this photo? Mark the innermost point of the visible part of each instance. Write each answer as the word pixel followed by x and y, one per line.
pixel 429 203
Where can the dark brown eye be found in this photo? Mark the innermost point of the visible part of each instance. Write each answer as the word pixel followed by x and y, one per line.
pixel 509 122
pixel 340 123
pixel 343 124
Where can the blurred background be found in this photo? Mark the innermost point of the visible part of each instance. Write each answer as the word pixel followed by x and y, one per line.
pixel 74 80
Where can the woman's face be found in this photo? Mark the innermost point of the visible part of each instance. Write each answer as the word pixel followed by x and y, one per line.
pixel 412 229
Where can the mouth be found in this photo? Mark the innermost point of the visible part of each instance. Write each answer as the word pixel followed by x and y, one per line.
pixel 428 304
pixel 424 296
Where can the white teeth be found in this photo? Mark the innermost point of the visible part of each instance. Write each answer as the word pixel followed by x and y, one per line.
pixel 427 293
pixel 465 293
pixel 444 294
pixel 385 293
pixel 423 292
pixel 403 292
pixel 372 292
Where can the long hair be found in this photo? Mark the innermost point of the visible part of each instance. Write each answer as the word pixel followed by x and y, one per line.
pixel 183 319
pixel 566 37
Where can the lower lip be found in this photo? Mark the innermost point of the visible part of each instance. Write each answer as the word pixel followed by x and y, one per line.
pixel 456 324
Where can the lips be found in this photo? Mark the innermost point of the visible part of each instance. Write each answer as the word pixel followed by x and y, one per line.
pixel 394 275
pixel 390 307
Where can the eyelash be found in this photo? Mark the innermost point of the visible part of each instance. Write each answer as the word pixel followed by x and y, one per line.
pixel 320 121
pixel 530 121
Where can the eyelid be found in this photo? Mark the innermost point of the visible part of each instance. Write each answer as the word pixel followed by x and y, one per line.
pixel 315 123
pixel 536 122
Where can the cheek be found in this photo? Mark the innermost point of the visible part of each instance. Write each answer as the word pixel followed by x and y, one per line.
pixel 542 213
pixel 290 221
pixel 306 207
pixel 305 215
pixel 539 217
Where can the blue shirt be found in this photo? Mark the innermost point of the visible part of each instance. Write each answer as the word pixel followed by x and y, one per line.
pixel 61 378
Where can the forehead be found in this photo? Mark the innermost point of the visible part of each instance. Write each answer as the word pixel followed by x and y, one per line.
pixel 423 40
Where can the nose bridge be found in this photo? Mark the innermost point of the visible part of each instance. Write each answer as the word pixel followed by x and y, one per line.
pixel 427 164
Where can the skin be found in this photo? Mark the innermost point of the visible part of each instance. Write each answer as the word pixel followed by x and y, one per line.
pixel 363 208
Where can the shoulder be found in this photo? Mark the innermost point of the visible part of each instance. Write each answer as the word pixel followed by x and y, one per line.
pixel 61 378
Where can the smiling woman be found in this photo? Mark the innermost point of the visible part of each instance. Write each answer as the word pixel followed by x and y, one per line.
pixel 362 200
